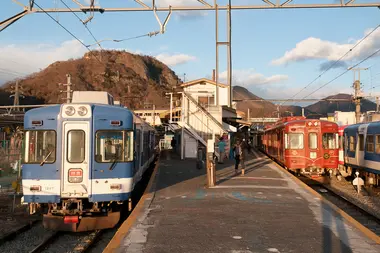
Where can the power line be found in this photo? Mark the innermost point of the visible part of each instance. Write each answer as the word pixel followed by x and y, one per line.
pixel 334 63
pixel 12 72
pixel 357 64
pixel 68 31
pixel 85 25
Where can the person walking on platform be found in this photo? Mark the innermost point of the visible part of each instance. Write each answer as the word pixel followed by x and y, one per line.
pixel 237 155
pixel 222 147
pixel 173 144
pixel 243 156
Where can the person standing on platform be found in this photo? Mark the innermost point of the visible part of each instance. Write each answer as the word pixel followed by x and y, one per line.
pixel 237 154
pixel 222 147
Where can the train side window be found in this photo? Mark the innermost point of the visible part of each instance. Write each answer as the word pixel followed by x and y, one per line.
pixel 361 142
pixel 370 144
pixel 76 146
pixel 313 140
pixel 352 143
pixel 40 146
pixel 378 144
pixel 295 140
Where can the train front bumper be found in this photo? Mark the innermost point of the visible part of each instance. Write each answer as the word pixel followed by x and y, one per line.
pixel 77 224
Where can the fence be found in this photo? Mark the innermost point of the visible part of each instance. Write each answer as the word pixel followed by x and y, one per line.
pixel 10 154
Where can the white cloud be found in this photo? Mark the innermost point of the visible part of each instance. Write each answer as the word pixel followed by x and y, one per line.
pixel 248 77
pixel 315 48
pixel 26 59
pixel 178 3
pixel 175 59
pixel 96 2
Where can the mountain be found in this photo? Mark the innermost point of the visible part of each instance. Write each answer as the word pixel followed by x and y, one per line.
pixel 256 108
pixel 133 79
pixel 324 107
pixel 316 110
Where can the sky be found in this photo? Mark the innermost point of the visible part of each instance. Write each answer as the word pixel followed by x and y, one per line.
pixel 275 53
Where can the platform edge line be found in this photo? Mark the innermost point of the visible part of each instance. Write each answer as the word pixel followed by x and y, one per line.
pixel 346 216
pixel 130 221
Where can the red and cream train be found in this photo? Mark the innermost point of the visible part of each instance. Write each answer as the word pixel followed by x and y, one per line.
pixel 305 146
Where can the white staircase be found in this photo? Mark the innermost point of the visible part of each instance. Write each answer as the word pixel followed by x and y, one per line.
pixel 197 121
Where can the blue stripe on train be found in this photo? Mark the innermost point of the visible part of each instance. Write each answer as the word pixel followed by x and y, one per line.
pixel 92 198
pixel 100 171
pixel 363 168
pixel 42 198
pixel 110 197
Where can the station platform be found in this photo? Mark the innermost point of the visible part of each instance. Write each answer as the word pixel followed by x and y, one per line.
pixel 265 210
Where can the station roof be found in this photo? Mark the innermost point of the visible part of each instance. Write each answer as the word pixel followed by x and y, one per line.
pixel 202 80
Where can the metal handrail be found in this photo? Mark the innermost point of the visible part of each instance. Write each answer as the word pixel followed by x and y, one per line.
pixel 203 110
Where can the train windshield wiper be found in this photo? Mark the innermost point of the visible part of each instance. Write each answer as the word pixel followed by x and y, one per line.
pixel 45 159
pixel 116 159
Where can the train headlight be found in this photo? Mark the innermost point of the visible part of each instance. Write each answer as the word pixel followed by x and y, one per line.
pixel 82 111
pixel 313 155
pixel 70 110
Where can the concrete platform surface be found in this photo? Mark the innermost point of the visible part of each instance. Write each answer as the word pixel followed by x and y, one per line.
pixel 263 211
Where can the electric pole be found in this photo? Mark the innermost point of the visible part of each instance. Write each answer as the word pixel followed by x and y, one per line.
pixel 68 88
pixel 154 115
pixel 17 92
pixel 358 95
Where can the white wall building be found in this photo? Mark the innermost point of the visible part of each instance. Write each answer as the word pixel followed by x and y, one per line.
pixel 147 115
pixel 344 118
pixel 204 91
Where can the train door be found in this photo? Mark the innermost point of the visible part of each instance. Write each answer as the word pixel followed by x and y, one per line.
pixel 75 171
pixel 314 151
pixel 361 135
pixel 137 151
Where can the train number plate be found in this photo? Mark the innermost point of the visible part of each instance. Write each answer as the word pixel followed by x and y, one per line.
pixel 75 175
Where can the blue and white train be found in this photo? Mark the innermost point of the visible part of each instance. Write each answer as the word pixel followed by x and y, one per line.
pixel 82 161
pixel 362 151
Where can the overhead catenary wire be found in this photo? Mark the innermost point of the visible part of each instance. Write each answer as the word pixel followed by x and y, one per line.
pixel 85 25
pixel 357 64
pixel 334 63
pixel 67 30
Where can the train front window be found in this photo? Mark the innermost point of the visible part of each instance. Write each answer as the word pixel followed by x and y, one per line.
pixel 330 141
pixel 313 140
pixel 114 146
pixel 76 146
pixel 40 146
pixel 295 141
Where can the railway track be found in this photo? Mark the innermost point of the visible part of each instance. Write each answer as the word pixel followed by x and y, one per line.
pixel 359 214
pixel 34 238
pixel 76 242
